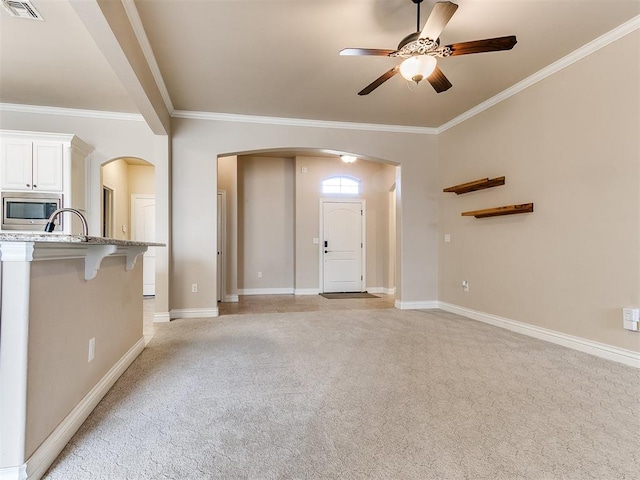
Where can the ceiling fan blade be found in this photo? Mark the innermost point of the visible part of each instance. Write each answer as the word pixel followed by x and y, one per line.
pixel 438 19
pixel 379 81
pixel 480 46
pixel 438 81
pixel 366 51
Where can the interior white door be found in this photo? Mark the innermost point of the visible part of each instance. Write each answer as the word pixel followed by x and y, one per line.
pixel 143 229
pixel 342 247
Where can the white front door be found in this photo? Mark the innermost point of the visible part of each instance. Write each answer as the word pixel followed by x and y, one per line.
pixel 143 229
pixel 342 246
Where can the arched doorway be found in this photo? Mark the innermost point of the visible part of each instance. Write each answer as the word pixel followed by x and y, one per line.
pixel 127 207
pixel 283 187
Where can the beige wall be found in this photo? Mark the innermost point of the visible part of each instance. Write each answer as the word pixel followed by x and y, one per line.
pixel 570 144
pixel 265 223
pixel 142 179
pixel 196 147
pixel 107 308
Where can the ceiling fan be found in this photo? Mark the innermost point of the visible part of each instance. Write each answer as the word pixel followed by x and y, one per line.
pixel 421 48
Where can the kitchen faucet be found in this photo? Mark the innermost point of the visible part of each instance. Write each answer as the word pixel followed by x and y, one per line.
pixel 50 226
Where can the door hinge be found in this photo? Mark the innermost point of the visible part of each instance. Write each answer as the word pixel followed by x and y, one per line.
pixel 361 278
pixel 360 212
pixel 361 245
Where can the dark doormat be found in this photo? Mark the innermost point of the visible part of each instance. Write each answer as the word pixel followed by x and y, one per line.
pixel 336 296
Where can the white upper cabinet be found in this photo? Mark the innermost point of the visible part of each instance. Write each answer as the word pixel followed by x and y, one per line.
pixel 17 165
pixel 31 165
pixel 46 163
pixel 47 166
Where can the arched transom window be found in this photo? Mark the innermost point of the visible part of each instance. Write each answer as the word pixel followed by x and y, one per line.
pixel 344 185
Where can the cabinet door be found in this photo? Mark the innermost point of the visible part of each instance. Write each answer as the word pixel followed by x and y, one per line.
pixel 15 165
pixel 47 166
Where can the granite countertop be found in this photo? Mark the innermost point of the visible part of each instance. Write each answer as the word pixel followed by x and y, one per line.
pixel 61 238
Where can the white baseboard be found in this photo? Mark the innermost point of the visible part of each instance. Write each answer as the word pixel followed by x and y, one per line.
pixel 231 298
pixel 194 312
pixel 266 291
pixel 421 305
pixel 14 473
pixel 602 350
pixel 44 456
pixel 306 291
pixel 382 290
pixel 161 317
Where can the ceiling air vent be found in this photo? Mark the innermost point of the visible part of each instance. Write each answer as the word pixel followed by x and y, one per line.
pixel 21 9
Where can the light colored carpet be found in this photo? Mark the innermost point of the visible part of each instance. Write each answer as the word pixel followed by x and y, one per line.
pixel 362 394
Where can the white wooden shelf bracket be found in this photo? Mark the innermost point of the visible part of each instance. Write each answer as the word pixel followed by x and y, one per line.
pixel 132 255
pixel 95 255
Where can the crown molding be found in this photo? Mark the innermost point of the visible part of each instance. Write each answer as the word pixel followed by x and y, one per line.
pixel 70 112
pixel 299 122
pixel 145 45
pixel 587 49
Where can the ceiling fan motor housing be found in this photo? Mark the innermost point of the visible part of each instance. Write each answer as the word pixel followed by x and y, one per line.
pixel 412 37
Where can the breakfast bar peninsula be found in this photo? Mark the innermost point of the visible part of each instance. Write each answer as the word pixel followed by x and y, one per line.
pixel 70 325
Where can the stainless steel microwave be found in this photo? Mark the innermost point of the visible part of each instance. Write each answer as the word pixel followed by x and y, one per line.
pixel 29 211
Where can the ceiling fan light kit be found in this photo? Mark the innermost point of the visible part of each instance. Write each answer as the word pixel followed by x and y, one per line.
pixel 418 67
pixel 421 48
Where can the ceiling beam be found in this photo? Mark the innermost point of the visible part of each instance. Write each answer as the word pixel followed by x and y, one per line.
pixel 109 25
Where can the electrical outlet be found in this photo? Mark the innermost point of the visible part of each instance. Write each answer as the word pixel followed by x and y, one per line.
pixel 465 286
pixel 259 274
pixel 92 349
pixel 631 319
pixel 447 238
pixel 194 288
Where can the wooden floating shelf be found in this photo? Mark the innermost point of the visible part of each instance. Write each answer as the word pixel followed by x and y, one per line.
pixel 498 211
pixel 475 185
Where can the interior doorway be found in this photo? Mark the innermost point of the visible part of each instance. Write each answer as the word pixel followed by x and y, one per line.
pixel 127 207
pixel 221 248
pixel 143 229
pixel 343 245
pixel 108 217
pixel 391 275
pixel 253 263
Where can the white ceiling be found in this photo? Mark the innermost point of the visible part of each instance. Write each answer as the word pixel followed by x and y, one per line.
pixel 279 58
